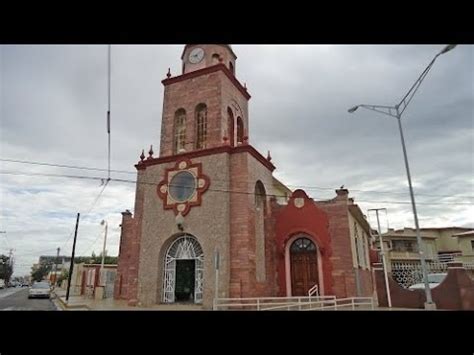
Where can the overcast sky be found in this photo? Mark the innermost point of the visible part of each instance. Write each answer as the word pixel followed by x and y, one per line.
pixel 53 103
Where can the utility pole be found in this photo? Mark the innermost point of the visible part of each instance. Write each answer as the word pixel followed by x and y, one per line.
pixel 216 266
pixel 384 257
pixel 102 283
pixel 71 267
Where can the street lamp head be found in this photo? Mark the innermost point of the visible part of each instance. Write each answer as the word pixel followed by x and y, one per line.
pixel 103 222
pixel 447 48
pixel 353 109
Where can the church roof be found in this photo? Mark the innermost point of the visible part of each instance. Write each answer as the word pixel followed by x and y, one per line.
pixel 224 45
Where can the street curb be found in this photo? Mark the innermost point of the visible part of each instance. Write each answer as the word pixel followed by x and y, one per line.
pixel 65 307
pixel 57 304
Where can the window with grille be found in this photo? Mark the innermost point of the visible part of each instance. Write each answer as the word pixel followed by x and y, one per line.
pixel 201 126
pixel 179 131
pixel 302 245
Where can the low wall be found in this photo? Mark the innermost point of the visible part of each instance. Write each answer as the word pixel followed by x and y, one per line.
pixel 455 292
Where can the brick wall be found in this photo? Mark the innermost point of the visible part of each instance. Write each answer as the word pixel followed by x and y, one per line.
pixel 343 270
pixel 213 89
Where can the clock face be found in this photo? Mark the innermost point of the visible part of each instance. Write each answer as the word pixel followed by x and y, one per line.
pixel 196 55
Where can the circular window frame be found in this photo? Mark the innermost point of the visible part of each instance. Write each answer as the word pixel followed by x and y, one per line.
pixel 190 196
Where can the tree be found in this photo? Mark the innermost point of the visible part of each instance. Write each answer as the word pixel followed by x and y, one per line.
pixel 38 274
pixel 64 276
pixel 6 269
pixel 96 259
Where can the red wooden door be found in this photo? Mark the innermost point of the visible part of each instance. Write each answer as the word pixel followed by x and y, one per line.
pixel 304 266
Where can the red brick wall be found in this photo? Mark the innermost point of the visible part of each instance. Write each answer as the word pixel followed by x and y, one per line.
pixel 126 261
pixel 126 282
pixel 343 273
pixel 269 288
pixel 366 283
pixel 242 231
pixel 187 95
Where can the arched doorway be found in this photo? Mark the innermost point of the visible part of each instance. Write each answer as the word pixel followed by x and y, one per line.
pixel 183 271
pixel 303 266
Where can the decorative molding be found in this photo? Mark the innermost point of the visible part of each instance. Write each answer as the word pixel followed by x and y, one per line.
pixel 205 152
pixel 202 184
pixel 209 70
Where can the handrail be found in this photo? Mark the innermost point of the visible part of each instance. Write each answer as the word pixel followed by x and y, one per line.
pixel 313 290
pixel 295 303
pixel 264 303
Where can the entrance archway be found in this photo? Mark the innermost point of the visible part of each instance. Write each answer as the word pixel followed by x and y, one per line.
pixel 303 266
pixel 183 271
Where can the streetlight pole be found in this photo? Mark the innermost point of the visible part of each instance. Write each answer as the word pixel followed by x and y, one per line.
pixel 384 257
pixel 103 254
pixel 397 111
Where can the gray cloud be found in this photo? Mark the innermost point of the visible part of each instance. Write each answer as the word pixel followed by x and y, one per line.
pixel 53 103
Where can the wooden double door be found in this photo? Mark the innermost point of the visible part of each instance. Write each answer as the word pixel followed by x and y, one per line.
pixel 303 266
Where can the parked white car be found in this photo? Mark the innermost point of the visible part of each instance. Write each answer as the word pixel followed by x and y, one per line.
pixel 433 280
pixel 40 290
pixel 2 283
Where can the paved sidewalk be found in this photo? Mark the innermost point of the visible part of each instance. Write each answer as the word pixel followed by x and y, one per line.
pixel 81 303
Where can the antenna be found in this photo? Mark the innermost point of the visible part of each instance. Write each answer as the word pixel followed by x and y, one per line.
pixel 108 106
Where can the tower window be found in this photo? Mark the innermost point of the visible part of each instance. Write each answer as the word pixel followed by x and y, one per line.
pixel 215 59
pixel 179 130
pixel 201 126
pixel 231 67
pixel 240 130
pixel 230 126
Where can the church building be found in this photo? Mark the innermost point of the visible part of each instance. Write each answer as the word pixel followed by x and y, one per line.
pixel 211 220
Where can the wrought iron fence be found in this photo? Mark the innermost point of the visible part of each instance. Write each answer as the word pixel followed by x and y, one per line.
pixel 408 273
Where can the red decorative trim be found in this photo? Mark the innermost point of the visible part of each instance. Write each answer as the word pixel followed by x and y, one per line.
pixel 209 70
pixel 204 152
pixel 199 190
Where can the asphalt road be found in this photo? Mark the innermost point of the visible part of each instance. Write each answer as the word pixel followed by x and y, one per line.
pixel 16 299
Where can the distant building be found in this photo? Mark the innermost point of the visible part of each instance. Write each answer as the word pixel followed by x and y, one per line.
pixel 441 244
pixel 62 262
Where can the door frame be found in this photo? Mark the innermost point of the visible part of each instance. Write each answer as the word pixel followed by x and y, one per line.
pixel 289 242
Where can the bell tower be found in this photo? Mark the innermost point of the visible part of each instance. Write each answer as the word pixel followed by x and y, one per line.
pixel 205 106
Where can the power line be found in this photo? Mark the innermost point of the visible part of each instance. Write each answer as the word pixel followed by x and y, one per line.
pixel 295 186
pixel 65 166
pixel 225 190
pixel 72 232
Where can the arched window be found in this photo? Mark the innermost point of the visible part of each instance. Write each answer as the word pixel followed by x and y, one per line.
pixel 215 59
pixel 201 126
pixel 240 130
pixel 230 126
pixel 179 130
pixel 259 195
pixel 231 67
pixel 260 199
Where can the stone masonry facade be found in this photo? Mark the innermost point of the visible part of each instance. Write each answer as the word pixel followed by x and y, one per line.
pixel 253 243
